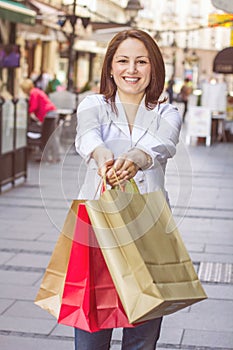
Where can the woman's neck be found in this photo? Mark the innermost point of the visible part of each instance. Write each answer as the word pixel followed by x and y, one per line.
pixel 130 112
pixel 130 98
pixel 130 104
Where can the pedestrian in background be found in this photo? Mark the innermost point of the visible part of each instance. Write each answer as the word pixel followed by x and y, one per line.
pixel 169 88
pixel 53 85
pixel 42 80
pixel 43 110
pixel 185 92
pixel 129 128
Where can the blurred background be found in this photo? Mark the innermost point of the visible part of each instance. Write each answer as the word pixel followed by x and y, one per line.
pixel 60 45
pixel 69 38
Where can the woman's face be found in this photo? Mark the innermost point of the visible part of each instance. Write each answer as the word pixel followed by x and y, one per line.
pixel 131 68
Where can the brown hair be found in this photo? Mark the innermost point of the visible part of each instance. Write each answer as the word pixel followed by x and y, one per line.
pixel 155 88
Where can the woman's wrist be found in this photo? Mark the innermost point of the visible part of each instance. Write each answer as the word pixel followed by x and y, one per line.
pixel 104 159
pixel 141 158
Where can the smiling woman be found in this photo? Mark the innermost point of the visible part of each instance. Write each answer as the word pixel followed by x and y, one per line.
pixel 127 131
pixel 131 70
pixel 150 49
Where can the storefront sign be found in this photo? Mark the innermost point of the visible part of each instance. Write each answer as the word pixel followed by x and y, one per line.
pixel 220 19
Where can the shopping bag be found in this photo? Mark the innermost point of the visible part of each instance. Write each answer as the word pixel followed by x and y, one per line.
pixel 144 252
pixel 90 301
pixel 51 289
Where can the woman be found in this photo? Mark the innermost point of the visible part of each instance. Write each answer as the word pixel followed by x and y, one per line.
pixel 44 111
pixel 127 127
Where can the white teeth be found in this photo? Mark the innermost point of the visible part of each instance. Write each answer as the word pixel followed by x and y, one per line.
pixel 131 80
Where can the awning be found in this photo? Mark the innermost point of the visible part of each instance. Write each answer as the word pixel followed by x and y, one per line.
pixel 46 9
pixel 225 5
pixel 89 46
pixel 223 62
pixel 42 33
pixel 17 13
pixel 106 34
pixel 49 15
pixel 47 12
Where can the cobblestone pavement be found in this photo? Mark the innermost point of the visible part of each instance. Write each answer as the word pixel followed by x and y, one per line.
pixel 200 183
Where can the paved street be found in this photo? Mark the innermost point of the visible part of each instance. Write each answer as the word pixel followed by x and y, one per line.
pixel 200 183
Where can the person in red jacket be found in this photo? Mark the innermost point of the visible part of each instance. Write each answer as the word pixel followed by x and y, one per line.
pixel 43 110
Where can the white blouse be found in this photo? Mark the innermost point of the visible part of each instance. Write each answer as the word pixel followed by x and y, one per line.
pixel 155 132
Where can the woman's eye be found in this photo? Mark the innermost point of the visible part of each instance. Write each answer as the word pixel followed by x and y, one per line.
pixel 142 62
pixel 125 61
pixel 122 61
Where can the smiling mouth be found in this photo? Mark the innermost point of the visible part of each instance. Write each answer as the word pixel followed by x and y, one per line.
pixel 131 80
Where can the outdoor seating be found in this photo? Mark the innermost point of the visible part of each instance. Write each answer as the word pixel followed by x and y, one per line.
pixel 65 101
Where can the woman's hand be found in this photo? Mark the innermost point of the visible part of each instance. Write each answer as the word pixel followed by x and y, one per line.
pixel 104 159
pixel 33 117
pixel 127 165
pixel 124 169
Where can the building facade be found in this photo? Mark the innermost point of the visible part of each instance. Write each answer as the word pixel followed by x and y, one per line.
pixel 179 27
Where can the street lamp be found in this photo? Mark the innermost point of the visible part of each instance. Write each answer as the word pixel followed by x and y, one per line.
pixel 132 8
pixel 73 20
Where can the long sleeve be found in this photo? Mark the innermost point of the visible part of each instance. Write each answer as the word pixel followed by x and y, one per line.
pixel 89 133
pixel 160 141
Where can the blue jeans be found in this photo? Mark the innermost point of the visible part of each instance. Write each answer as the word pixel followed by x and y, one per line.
pixel 143 337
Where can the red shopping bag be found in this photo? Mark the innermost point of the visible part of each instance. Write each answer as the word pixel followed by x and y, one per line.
pixel 90 301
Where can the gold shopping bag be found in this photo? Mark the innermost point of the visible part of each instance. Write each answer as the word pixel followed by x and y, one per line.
pixel 145 254
pixel 49 296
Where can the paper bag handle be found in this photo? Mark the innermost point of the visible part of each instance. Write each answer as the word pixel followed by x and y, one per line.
pixel 103 184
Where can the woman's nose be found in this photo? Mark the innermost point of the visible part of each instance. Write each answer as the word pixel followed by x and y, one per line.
pixel 132 68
